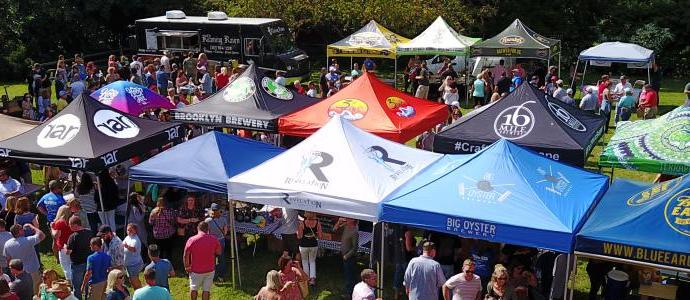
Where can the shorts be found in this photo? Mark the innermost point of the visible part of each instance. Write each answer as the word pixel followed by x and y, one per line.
pixel 134 270
pixel 422 92
pixel 650 113
pixel 202 281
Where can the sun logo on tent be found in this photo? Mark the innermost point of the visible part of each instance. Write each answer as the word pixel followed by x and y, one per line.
pixel 484 190
pixel 554 181
pixel 654 192
pixel 350 109
pixel 400 107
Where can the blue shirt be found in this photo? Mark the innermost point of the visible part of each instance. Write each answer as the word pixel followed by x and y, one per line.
pixel 478 88
pixel 207 84
pixel 51 202
pixel 162 79
pixel 98 263
pixel 77 87
pixel 424 277
pixel 151 293
pixel 517 81
pixel 162 267
pixel 626 101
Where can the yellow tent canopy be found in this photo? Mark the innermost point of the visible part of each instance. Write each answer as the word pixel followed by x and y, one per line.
pixel 372 40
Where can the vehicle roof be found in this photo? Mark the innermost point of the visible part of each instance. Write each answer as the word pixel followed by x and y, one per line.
pixel 205 20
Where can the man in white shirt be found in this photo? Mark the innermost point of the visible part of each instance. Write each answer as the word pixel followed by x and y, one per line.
pixel 589 101
pixel 559 93
pixel 280 78
pixel 619 90
pixel 137 64
pixel 464 286
pixel 165 61
pixel 364 290
pixel 8 186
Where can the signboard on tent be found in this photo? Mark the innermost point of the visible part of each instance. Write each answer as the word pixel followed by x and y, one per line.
pixel 660 145
pixel 372 40
pixel 517 40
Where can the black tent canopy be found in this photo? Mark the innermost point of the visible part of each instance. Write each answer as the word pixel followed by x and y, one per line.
pixel 88 135
pixel 530 118
pixel 251 101
pixel 519 41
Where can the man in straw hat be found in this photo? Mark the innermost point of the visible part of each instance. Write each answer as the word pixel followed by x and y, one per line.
pixel 61 290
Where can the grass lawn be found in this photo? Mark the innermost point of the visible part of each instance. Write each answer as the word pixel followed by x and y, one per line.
pixel 329 276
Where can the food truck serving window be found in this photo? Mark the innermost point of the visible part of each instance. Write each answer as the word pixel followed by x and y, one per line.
pixel 178 40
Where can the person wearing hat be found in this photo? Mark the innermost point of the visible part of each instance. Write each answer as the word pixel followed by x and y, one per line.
pixel 61 290
pixel 424 276
pixel 218 227
pixel 619 90
pixel 61 101
pixel 589 101
pixel 112 245
pixel 465 285
pixel 626 105
pixel 568 98
pixel 51 202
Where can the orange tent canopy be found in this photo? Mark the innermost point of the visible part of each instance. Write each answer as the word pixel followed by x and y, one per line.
pixel 371 105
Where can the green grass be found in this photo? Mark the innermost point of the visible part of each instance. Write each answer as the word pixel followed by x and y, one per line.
pixel 329 269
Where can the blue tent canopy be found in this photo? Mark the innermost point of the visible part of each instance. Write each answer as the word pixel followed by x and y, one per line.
pixel 204 163
pixel 504 193
pixel 643 224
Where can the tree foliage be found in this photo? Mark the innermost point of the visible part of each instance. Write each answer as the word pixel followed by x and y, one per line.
pixel 42 29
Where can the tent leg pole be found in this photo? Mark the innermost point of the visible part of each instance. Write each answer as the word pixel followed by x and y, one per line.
pixel 327 61
pixel 351 64
pixel 100 198
pixel 373 240
pixel 129 205
pixel 381 264
pixel 567 276
pixel 649 75
pixel 395 72
pixel 572 291
pixel 584 73
pixel 572 81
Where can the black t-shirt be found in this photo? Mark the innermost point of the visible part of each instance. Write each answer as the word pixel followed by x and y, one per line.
pixel 449 72
pixel 503 85
pixel 79 243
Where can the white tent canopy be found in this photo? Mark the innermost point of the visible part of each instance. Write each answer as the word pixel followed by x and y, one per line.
pixel 618 52
pixel 339 170
pixel 439 38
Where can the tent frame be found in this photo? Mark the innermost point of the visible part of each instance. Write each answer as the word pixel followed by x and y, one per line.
pixel 587 62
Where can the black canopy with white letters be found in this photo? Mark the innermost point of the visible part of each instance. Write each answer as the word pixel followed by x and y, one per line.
pixel 252 101
pixel 89 135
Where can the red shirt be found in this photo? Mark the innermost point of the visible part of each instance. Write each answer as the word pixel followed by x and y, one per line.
pixel 600 91
pixel 650 99
pixel 202 248
pixel 221 80
pixel 65 232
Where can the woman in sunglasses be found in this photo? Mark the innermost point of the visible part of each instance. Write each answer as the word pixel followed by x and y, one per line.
pixel 498 288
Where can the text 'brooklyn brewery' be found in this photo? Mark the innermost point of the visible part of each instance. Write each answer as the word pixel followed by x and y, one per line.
pixel 218 119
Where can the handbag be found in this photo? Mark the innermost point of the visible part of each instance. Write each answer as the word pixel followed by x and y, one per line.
pixel 304 288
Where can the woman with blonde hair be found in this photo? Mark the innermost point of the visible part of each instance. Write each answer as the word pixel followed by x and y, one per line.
pixel 48 277
pixel 272 289
pixel 115 287
pixel 7 212
pixel 61 231
pixel 498 288
pixel 25 216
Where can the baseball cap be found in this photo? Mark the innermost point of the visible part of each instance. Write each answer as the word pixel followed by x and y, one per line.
pixel 104 229
pixel 215 206
pixel 569 91
pixel 62 93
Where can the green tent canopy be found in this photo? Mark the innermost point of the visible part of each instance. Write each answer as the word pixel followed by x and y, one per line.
pixel 518 40
pixel 659 145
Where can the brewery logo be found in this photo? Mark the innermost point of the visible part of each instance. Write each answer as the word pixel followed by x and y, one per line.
pixel 483 189
pixel 276 90
pixel 656 191
pixel 366 39
pixel 114 124
pixel 400 107
pixel 566 118
pixel 554 181
pixel 350 109
pixel 511 40
pixel 59 131
pixel 107 95
pixel 515 122
pixel 109 158
pixel 5 152
pixel 239 90
pixel 173 133
pixel 137 93
pixel 312 163
pixel 677 212
pixel 393 166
